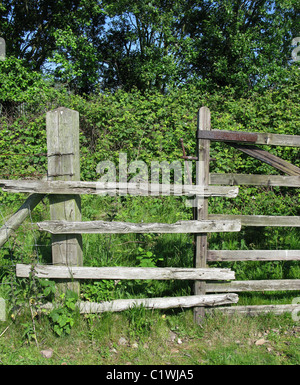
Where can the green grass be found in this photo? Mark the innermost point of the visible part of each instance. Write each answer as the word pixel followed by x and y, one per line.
pixel 139 337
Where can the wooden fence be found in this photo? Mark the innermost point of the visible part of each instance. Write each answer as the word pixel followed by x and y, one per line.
pixel 246 142
pixel 64 188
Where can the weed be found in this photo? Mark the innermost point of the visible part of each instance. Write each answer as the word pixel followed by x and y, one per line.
pixel 28 332
pixel 98 291
pixel 140 322
pixel 63 317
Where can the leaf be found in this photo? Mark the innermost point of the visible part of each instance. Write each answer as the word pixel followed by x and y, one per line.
pixel 57 330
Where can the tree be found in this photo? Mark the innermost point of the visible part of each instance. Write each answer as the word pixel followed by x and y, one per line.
pixel 140 45
pixel 245 44
pixel 78 52
pixel 62 31
pixel 93 45
pixel 28 27
pixel 235 43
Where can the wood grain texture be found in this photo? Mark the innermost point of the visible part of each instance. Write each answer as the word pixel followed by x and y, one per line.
pixel 253 255
pixel 154 303
pixel 260 220
pixel 253 310
pixel 111 188
pixel 62 127
pixel 201 204
pixel 256 180
pixel 102 227
pixel 132 273
pixel 266 157
pixel 260 285
pixel 256 137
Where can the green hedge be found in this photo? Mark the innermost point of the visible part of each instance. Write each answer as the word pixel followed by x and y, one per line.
pixel 147 127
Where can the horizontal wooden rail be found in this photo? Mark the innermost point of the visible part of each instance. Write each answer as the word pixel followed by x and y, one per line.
pixel 253 255
pixel 251 137
pixel 120 272
pixel 109 188
pixel 154 303
pixel 101 227
pixel 253 310
pixel 228 136
pixel 259 220
pixel 229 191
pixel 260 285
pixel 256 180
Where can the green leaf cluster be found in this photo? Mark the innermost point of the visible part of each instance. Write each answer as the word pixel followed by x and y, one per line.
pixel 63 317
pixel 153 45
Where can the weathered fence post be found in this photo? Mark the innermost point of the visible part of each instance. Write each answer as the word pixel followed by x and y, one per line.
pixel 201 211
pixel 64 164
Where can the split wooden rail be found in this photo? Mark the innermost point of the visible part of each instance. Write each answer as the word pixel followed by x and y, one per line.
pixel 64 189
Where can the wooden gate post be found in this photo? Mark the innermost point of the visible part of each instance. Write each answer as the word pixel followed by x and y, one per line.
pixel 64 164
pixel 201 209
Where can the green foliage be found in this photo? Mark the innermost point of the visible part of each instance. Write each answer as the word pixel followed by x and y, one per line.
pixel 139 322
pixel 95 340
pixel 90 45
pixel 49 288
pixel 148 128
pixel 28 332
pixel 98 291
pixel 147 258
pixel 63 317
pixel 19 84
pixel 253 41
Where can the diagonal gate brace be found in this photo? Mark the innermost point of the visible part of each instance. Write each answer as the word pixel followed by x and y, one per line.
pixel 268 158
